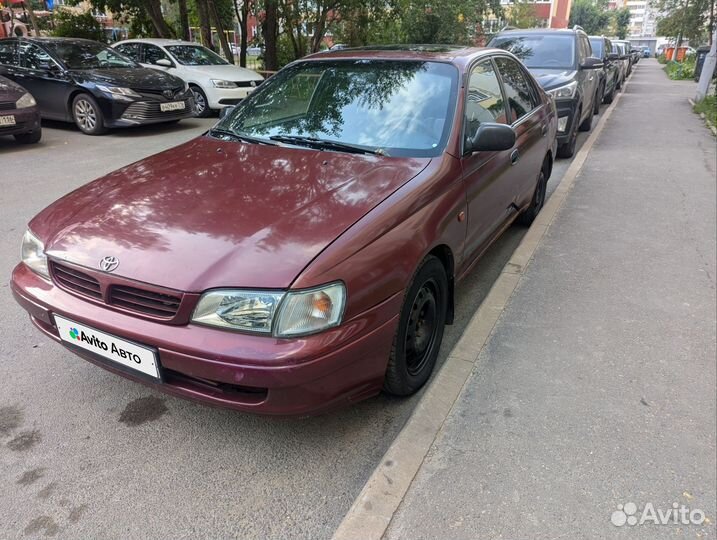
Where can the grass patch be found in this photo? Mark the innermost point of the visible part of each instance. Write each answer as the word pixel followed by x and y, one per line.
pixel 678 71
pixel 708 106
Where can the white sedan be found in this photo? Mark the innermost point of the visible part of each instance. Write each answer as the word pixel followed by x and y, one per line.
pixel 214 82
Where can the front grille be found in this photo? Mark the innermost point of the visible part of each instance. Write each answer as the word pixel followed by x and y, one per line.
pixel 247 84
pixel 151 303
pixel 7 105
pixel 159 91
pixel 75 281
pixel 146 110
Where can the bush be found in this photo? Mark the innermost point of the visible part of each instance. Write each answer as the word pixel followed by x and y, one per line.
pixel 708 106
pixel 681 70
pixel 83 25
pixel 662 59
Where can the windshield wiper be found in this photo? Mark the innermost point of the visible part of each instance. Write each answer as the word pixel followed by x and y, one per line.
pixel 219 132
pixel 323 144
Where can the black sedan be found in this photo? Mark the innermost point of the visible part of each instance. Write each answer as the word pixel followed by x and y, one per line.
pixel 85 82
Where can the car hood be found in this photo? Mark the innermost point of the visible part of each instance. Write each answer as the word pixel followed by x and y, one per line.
pixel 211 213
pixel 552 78
pixel 139 77
pixel 225 72
pixel 10 91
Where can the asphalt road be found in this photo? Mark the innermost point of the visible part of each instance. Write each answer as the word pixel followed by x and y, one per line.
pixel 87 454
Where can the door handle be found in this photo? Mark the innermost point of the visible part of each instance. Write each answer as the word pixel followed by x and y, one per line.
pixel 514 157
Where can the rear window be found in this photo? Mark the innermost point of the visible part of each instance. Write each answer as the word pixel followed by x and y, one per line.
pixel 540 51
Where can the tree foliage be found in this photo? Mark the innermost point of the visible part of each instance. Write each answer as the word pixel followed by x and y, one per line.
pixel 81 25
pixel 688 18
pixel 590 15
pixel 622 22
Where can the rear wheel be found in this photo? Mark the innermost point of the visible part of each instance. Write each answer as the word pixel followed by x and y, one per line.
pixel 527 217
pixel 598 99
pixel 29 138
pixel 201 105
pixel 420 330
pixel 607 99
pixel 87 115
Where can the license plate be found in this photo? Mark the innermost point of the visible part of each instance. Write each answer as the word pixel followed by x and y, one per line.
pixel 171 106
pixel 7 120
pixel 120 351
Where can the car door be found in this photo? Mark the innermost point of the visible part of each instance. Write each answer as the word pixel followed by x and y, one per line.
pixel 529 118
pixel 45 79
pixel 484 173
pixel 612 70
pixel 589 76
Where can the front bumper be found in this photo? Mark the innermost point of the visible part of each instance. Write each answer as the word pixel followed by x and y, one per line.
pixel 219 98
pixel 26 121
pixel 250 373
pixel 146 110
pixel 567 110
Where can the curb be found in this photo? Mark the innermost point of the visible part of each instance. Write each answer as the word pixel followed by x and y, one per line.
pixel 371 513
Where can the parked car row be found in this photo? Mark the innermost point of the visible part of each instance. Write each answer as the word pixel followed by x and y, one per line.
pixel 579 71
pixel 97 87
pixel 315 263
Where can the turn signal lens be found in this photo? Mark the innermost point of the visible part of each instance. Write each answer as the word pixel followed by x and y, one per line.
pixel 308 312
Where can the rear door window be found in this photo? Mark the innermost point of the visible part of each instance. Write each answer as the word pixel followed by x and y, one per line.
pixel 34 57
pixel 130 50
pixel 152 53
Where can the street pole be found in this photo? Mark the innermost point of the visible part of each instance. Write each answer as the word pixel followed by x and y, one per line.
pixel 708 68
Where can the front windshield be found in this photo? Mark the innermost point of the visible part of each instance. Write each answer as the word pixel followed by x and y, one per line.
pixel 540 51
pixel 195 55
pixel 88 55
pixel 398 108
pixel 597 45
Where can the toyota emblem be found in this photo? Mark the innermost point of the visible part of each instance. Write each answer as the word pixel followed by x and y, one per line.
pixel 108 264
pixel 168 93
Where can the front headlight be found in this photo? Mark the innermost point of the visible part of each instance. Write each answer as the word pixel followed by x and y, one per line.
pixel 218 83
pixel 33 254
pixel 118 92
pixel 283 314
pixel 564 92
pixel 25 101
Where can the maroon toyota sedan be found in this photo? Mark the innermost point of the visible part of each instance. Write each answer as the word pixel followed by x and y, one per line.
pixel 303 253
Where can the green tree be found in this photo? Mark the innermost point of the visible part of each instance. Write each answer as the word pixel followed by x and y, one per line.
pixel 144 10
pixel 82 25
pixel 522 14
pixel 685 18
pixel 590 15
pixel 622 22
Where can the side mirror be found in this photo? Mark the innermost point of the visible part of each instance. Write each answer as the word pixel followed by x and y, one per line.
pixel 591 63
pixel 613 56
pixel 163 62
pixel 226 111
pixel 492 137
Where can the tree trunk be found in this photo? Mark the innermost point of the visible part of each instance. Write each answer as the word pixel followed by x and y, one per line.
pixel 184 19
pixel 33 20
pixel 154 11
pixel 270 30
pixel 214 14
pixel 243 18
pixel 205 27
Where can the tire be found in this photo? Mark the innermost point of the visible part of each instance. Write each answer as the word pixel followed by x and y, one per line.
pixel 608 98
pixel 598 99
pixel 587 123
pixel 87 115
pixel 566 150
pixel 201 105
pixel 415 349
pixel 529 215
pixel 31 137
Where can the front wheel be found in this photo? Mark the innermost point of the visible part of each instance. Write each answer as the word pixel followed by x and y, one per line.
pixel 201 104
pixel 420 330
pixel 567 149
pixel 87 115
pixel 587 123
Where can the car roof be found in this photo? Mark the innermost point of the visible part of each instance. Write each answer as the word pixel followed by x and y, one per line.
pixel 44 39
pixel 158 41
pixel 457 54
pixel 540 31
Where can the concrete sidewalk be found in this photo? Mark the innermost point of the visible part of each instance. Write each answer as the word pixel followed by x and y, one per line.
pixel 597 387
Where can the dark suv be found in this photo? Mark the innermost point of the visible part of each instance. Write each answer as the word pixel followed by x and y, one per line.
pixel 562 62
pixel 610 74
